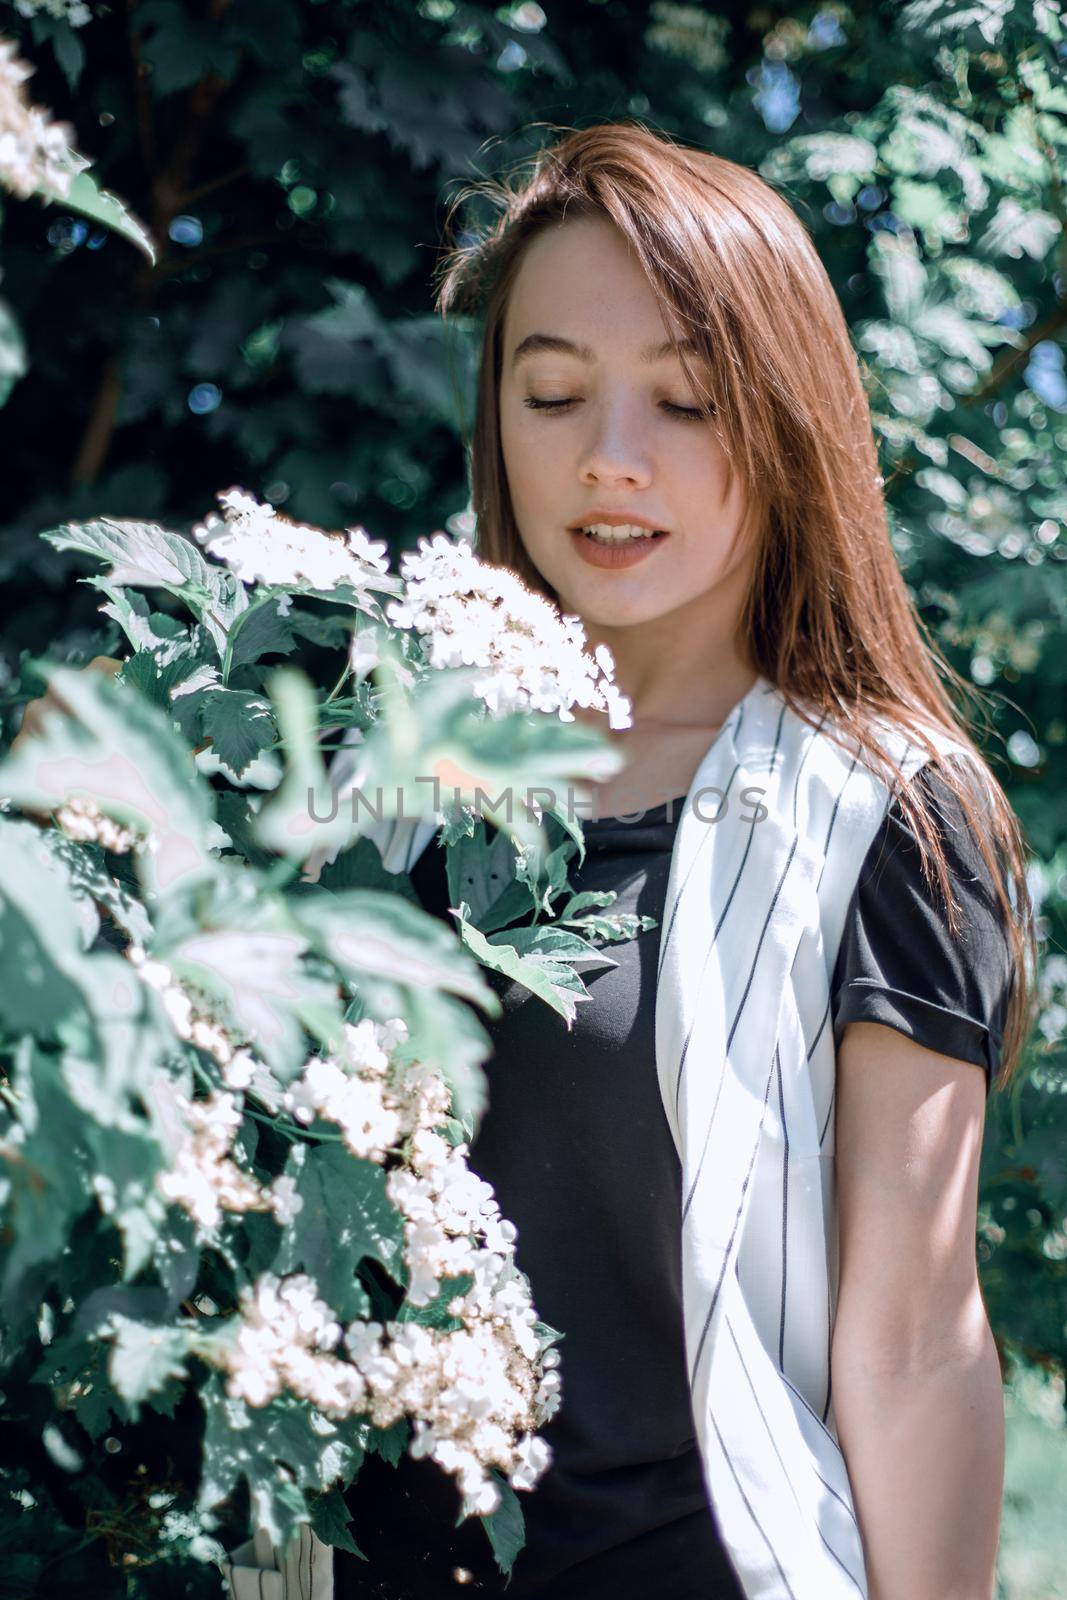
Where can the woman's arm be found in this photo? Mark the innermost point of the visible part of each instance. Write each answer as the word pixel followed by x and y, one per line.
pixel 916 1382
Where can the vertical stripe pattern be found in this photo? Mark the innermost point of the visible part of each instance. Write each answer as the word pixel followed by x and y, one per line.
pixel 746 1066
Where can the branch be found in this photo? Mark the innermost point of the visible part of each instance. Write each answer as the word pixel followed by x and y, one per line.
pixel 170 186
pixel 142 98
pixel 1009 359
pixel 101 425
pixel 192 195
pixel 169 189
pixel 240 241
pixel 1002 369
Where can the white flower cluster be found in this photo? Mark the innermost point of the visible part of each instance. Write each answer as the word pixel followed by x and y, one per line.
pixel 35 153
pixel 203 1177
pixel 473 614
pixel 443 1204
pixel 76 12
pixel 474 1394
pixel 261 545
pixel 374 1100
pixel 194 1020
pixel 278 1341
pixel 82 819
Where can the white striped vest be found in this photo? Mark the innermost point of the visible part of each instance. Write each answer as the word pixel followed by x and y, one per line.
pixel 745 1058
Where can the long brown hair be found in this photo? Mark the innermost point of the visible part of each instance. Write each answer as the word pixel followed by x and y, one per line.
pixel 828 618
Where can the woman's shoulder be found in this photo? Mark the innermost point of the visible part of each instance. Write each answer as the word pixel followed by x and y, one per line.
pixel 824 762
pixel 955 804
pixel 901 960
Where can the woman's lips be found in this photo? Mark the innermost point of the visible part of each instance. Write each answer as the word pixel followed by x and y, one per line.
pixel 625 553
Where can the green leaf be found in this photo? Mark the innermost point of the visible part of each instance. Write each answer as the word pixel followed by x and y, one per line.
pixel 1015 230
pixel 144 1358
pixel 286 1450
pixel 895 260
pixel 360 867
pixel 333 631
pixel 183 48
pixel 346 1215
pixel 843 161
pixel 144 553
pixel 240 725
pixel 168 671
pixel 77 869
pixel 146 629
pixel 480 869
pixel 238 820
pixel 70 54
pixel 389 1443
pixel 78 1367
pixel 263 1233
pixel 624 925
pixel 544 876
pixel 80 1111
pixel 125 756
pixel 549 939
pixel 369 931
pixel 435 729
pixel 64 39
pixel 587 897
pixel 983 20
pixel 13 362
pixel 48 1183
pixel 263 630
pixel 553 980
pixel 331 1522
pixel 302 814
pixel 322 344
pixel 88 200
pixel 436 1314
pixel 176 1257
pixel 570 825
pixel 251 959
pixel 961 336
pixel 129 1151
pixel 48 979
pixel 421 353
pixel 506 1526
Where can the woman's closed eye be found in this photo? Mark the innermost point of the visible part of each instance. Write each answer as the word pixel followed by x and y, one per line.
pixel 686 413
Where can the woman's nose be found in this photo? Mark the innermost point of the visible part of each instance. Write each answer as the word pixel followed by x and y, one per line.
pixel 616 450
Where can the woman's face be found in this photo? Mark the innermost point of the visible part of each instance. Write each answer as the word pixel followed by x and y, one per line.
pixel 621 441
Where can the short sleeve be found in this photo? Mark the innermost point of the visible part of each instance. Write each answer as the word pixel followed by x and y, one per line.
pixel 899 964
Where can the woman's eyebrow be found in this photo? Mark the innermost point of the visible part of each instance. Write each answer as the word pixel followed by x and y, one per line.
pixel 535 343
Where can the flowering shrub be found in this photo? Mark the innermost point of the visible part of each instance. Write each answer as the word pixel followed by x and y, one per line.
pixel 37 158
pixel 242 1068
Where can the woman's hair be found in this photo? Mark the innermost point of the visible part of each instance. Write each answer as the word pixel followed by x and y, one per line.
pixel 828 618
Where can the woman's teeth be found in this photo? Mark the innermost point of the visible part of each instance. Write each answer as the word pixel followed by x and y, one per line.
pixel 609 534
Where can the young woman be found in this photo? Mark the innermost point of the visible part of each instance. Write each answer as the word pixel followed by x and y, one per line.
pixel 715 1212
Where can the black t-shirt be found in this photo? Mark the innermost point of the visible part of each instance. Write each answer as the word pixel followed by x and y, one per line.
pixel 577 1148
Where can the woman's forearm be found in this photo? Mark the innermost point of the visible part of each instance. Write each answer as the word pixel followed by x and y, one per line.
pixel 924 1446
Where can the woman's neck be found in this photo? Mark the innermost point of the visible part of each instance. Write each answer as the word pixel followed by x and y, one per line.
pixel 681 697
